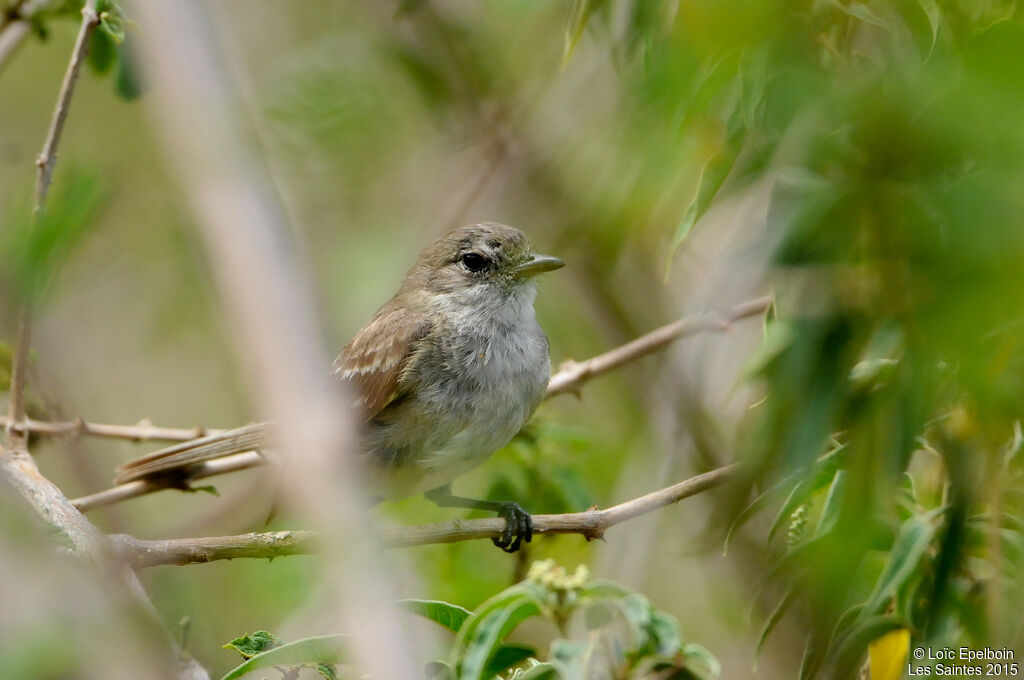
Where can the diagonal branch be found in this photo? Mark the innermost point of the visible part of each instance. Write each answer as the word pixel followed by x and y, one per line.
pixel 572 375
pixel 591 524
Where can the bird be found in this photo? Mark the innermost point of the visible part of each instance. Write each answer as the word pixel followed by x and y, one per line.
pixel 444 374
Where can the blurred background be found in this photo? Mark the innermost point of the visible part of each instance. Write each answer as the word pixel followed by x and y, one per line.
pixel 861 161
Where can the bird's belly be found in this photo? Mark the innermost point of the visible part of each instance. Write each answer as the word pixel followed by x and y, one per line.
pixel 454 425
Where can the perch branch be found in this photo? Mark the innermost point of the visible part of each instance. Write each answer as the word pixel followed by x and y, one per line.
pixel 591 524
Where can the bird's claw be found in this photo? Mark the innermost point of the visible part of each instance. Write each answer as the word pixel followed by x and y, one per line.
pixel 518 527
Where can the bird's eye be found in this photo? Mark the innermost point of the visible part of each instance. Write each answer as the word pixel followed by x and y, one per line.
pixel 474 262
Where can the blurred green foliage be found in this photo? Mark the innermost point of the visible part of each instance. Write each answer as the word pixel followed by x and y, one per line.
pixel 623 636
pixel 33 247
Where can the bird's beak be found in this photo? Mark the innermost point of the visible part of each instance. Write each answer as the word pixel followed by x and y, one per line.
pixel 537 264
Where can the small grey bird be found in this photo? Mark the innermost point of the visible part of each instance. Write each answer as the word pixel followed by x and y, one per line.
pixel 445 374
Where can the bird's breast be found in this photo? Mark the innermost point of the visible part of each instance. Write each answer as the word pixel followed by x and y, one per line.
pixel 470 388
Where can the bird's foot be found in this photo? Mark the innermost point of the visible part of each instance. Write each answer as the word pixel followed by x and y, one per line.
pixel 518 527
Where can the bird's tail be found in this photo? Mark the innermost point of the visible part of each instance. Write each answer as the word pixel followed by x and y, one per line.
pixel 177 459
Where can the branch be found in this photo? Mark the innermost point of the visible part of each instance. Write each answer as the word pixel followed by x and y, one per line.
pixel 572 375
pixel 17 26
pixel 143 431
pixel 591 524
pixel 16 437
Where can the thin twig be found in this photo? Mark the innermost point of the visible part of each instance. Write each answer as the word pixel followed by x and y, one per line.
pixel 571 374
pixel 17 26
pixel 591 524
pixel 143 431
pixel 16 437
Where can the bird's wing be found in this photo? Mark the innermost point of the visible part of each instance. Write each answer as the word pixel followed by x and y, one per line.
pixel 177 458
pixel 374 363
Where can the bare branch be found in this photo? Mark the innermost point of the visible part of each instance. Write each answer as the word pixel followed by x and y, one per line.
pixel 16 437
pixel 267 545
pixel 48 158
pixel 571 374
pixel 143 431
pixel 16 27
pixel 591 524
pixel 17 466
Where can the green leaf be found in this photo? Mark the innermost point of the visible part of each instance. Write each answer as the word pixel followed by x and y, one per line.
pixel 833 504
pixel 32 249
pixel 850 649
pixel 102 53
pixel 450 616
pixel 752 509
pixel 701 662
pixel 511 596
pixel 595 590
pixel 327 671
pixel 325 649
pixel 909 547
pixel 489 633
pixel 579 15
pixel 712 175
pixel 774 617
pixel 539 671
pixel 638 612
pixel 934 14
pixel 507 656
pixel 254 643
pixel 664 630
pixel 813 655
pixel 859 10
pixel 111 20
pixel 796 497
pixel 127 83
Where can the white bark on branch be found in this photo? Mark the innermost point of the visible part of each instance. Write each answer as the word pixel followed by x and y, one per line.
pixel 591 524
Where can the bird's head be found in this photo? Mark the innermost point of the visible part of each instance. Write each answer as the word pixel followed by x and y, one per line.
pixel 486 259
